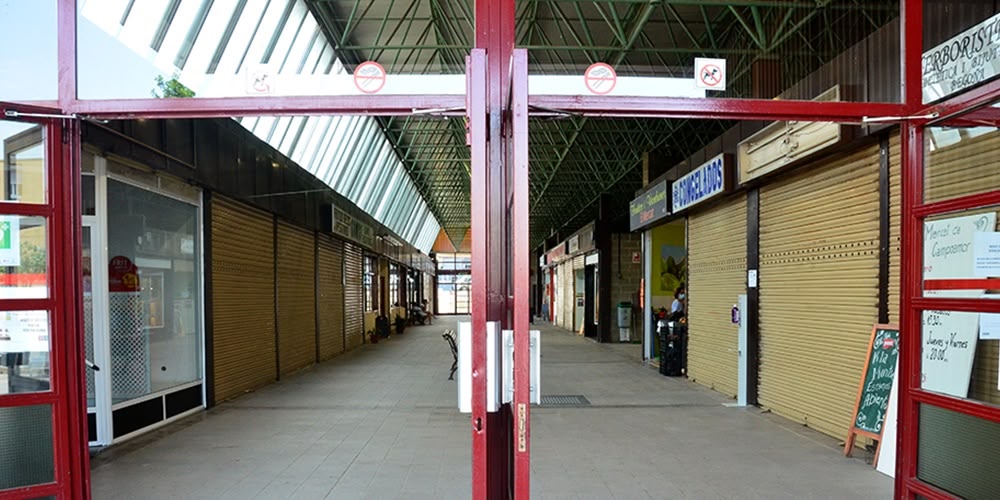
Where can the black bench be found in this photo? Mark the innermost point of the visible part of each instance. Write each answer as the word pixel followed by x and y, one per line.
pixel 449 336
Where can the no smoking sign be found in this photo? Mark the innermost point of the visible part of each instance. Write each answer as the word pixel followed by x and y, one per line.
pixel 369 77
pixel 600 78
pixel 710 73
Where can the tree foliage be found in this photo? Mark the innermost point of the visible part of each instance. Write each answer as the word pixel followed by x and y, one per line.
pixel 171 88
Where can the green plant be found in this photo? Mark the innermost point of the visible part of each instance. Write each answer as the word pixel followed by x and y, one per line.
pixel 33 260
pixel 171 88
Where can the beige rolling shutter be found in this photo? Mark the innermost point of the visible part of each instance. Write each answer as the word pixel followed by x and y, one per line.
pixel 819 245
pixel 242 298
pixel 566 275
pixel 331 297
pixel 354 303
pixel 578 263
pixel 717 264
pixel 296 298
pixel 965 168
pixel 895 227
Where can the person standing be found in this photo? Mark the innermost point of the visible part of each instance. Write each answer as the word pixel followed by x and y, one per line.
pixel 678 307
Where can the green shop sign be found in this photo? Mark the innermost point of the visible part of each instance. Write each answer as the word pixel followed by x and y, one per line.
pixel 649 207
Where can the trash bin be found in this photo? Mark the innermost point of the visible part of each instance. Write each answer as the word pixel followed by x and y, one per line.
pixel 624 321
pixel 624 315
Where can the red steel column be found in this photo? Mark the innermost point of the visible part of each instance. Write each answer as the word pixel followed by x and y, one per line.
pixel 912 48
pixel 66 53
pixel 911 286
pixel 476 72
pixel 494 30
pixel 519 225
pixel 911 263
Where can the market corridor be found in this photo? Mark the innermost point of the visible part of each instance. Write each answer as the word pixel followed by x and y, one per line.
pixel 381 422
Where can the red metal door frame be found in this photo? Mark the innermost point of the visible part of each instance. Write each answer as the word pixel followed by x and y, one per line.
pixel 495 466
pixel 63 305
pixel 913 302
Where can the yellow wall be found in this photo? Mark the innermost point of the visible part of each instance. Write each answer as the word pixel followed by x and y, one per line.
pixel 669 262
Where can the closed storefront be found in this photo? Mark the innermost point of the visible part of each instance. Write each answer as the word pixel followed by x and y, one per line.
pixel 331 304
pixel 579 294
pixel 895 217
pixel 566 278
pixel 296 298
pixel 242 298
pixel 717 266
pixel 819 267
pixel 353 298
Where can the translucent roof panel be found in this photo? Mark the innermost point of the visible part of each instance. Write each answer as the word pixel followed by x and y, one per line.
pixel 218 48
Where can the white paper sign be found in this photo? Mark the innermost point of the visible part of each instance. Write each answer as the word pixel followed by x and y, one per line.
pixel 752 278
pixel 949 346
pixel 986 248
pixel 887 453
pixel 10 240
pixel 24 331
pixel 989 326
pixel 949 249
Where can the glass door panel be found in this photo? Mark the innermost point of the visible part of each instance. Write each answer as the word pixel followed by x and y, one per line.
pixel 33 341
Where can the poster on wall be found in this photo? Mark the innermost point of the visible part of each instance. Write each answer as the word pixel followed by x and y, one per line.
pixel 950 337
pixel 123 275
pixel 669 261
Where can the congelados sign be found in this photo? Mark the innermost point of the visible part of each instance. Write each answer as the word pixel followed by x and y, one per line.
pixel 710 179
pixel 971 57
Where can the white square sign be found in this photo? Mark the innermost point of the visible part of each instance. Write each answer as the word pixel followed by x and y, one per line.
pixel 710 74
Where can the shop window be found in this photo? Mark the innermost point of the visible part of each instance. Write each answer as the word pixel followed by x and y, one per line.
pixel 394 297
pixel 154 292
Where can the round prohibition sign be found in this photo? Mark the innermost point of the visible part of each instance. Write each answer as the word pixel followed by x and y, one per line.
pixel 711 75
pixel 600 78
pixel 369 77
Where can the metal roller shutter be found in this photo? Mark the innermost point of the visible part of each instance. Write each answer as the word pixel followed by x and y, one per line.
pixel 819 245
pixel 566 275
pixel 895 227
pixel 578 265
pixel 969 167
pixel 331 297
pixel 296 298
pixel 354 304
pixel 717 264
pixel 242 298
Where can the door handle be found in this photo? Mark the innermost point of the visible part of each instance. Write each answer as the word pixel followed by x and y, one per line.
pixel 91 365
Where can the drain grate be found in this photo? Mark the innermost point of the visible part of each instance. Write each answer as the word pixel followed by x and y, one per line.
pixel 565 400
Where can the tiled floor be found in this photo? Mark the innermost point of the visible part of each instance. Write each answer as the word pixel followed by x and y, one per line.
pixel 381 422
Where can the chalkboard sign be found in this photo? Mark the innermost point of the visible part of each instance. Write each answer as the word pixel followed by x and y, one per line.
pixel 876 384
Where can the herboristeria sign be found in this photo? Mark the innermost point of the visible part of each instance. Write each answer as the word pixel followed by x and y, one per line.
pixel 711 179
pixel 971 57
